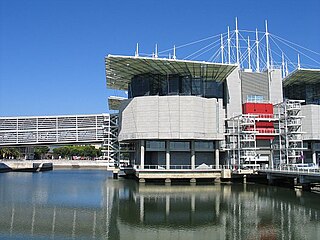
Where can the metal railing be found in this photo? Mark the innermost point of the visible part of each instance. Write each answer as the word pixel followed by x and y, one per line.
pixel 177 167
pixel 287 169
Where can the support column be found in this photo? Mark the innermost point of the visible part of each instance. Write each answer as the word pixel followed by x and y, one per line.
pixel 142 154
pixel 217 155
pixel 193 156
pixel 271 155
pixel 314 154
pixel 167 154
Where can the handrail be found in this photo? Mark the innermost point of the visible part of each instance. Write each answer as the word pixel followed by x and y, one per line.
pixel 234 167
pixel 177 167
pixel 289 169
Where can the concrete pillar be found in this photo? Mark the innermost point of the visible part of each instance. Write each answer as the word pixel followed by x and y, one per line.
pixel 167 154
pixel 314 156
pixel 142 154
pixel 217 156
pixel 193 156
pixel 167 181
pixel 271 155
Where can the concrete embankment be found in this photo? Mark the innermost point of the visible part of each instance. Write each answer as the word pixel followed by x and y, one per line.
pixel 25 166
pixel 42 165
pixel 70 164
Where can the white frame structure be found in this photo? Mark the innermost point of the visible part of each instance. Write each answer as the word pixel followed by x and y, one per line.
pixel 46 130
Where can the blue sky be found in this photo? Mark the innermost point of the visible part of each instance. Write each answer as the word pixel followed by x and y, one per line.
pixel 52 51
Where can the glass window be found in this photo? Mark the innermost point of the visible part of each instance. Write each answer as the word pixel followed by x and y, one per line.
pixel 213 89
pixel 180 146
pixel 155 145
pixel 163 85
pixel 186 86
pixel 197 87
pixel 173 84
pixel 204 145
pixel 140 86
pixel 255 98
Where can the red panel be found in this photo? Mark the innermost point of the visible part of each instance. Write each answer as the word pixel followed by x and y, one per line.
pixel 263 108
pixel 266 111
pixel 264 124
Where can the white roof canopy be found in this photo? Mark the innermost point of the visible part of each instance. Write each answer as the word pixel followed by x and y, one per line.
pixel 302 76
pixel 115 102
pixel 121 69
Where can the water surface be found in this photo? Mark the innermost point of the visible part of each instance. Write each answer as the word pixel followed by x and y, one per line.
pixel 88 204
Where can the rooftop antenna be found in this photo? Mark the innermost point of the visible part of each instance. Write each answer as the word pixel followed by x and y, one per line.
pixel 249 53
pixel 222 47
pixel 174 52
pixel 156 51
pixel 237 41
pixel 257 47
pixel 267 43
pixel 283 67
pixel 299 65
pixel 136 54
pixel 229 45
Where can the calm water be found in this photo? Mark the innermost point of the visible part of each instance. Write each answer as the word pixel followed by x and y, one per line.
pixel 83 204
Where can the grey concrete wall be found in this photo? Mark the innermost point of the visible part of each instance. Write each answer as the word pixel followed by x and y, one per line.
pixel 276 94
pixel 311 122
pixel 171 117
pixel 253 83
pixel 233 94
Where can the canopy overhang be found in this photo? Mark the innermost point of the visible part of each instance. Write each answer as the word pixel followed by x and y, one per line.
pixel 121 69
pixel 302 76
pixel 114 102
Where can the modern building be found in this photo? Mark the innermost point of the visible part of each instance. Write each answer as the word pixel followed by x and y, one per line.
pixel 304 84
pixel 178 112
pixel 197 115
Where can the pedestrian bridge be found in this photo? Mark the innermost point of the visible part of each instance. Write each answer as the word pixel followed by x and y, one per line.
pixel 304 177
pixel 50 130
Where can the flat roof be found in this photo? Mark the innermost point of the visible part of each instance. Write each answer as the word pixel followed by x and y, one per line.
pixel 121 69
pixel 302 76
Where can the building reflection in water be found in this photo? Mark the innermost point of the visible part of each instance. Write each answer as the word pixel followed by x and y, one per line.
pixel 219 211
pixel 123 209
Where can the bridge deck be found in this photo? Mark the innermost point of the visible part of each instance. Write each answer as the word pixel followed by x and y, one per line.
pixel 45 130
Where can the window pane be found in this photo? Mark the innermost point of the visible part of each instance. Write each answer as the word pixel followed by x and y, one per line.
pixel 197 87
pixel 155 145
pixel 179 145
pixel 173 84
pixel 204 145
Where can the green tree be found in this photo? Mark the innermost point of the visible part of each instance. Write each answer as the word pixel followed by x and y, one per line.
pixel 40 152
pixel 80 151
pixel 9 152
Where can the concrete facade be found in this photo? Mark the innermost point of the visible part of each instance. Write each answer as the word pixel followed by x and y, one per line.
pixel 311 122
pixel 171 117
pixel 276 90
pixel 233 94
